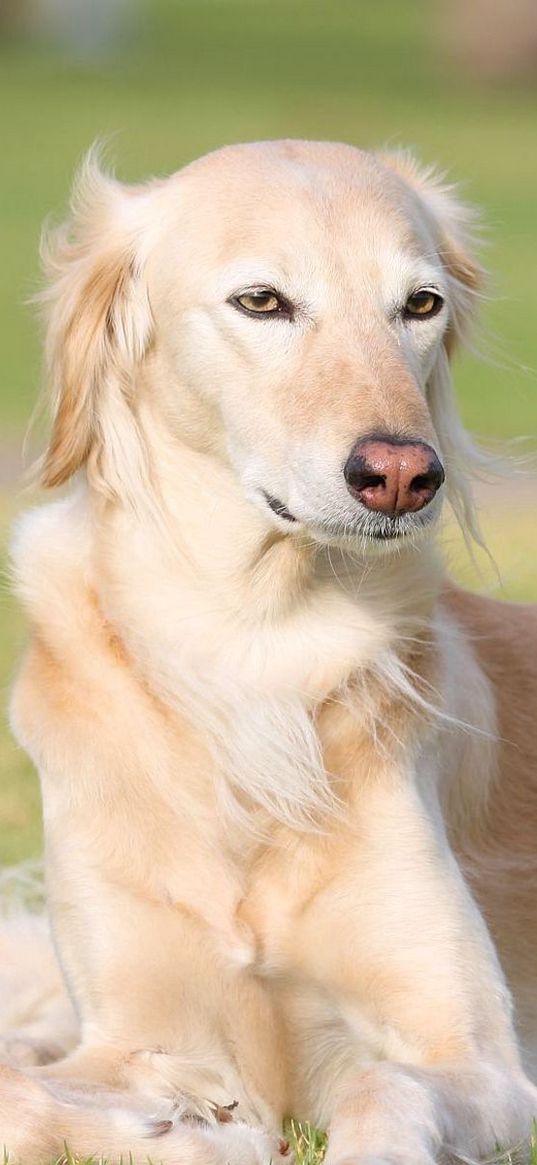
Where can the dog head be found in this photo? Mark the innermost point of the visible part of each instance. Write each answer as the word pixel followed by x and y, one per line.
pixel 287 308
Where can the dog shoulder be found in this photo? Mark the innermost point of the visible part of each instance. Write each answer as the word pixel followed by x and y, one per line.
pixel 50 554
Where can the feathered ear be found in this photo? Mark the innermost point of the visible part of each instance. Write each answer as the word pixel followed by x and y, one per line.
pixel 453 227
pixel 98 330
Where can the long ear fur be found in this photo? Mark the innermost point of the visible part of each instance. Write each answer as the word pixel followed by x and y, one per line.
pixel 98 329
pixel 453 229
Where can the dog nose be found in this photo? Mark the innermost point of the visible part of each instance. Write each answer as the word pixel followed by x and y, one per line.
pixel 393 476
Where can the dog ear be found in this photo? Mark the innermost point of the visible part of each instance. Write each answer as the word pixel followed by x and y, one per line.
pixel 453 227
pixel 98 330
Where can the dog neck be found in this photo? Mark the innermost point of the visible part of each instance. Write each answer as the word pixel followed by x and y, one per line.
pixel 244 633
pixel 204 565
pixel 248 633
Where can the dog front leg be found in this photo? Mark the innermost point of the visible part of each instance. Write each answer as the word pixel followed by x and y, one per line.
pixel 396 941
pixel 141 900
pixel 393 1114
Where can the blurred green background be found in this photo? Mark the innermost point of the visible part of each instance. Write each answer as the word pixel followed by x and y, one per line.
pixel 180 77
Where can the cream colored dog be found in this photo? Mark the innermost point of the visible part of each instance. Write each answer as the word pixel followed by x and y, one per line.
pixel 289 797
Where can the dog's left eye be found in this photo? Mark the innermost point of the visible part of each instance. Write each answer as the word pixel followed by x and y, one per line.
pixel 423 304
pixel 260 301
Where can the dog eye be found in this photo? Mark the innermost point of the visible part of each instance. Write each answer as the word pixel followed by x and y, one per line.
pixel 260 301
pixel 423 304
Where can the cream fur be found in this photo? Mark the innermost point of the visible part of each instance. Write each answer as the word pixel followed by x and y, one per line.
pixel 276 758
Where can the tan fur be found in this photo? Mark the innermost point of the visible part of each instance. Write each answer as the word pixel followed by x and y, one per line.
pixel 262 744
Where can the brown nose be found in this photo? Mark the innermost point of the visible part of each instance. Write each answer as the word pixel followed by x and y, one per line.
pixel 392 475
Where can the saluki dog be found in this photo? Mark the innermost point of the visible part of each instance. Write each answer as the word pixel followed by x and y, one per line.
pixel 288 769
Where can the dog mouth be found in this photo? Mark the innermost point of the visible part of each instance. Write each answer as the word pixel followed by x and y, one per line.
pixel 373 527
pixel 388 527
pixel 278 507
pixel 377 528
pixel 370 526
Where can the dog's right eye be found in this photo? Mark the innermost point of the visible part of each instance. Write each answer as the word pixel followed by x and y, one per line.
pixel 260 301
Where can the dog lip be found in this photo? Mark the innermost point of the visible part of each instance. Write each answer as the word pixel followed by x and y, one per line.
pixel 385 528
pixel 278 507
pixel 394 527
pixel 388 535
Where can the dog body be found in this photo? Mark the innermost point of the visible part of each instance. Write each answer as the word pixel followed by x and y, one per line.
pixel 264 723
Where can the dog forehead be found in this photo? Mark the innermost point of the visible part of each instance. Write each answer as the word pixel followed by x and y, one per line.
pixel 272 159
pixel 291 192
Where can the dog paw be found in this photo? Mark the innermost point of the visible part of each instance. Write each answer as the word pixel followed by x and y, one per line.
pixel 224 1140
pixel 243 1144
pixel 228 1143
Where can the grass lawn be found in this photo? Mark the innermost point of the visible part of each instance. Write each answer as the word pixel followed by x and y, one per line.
pixel 197 73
